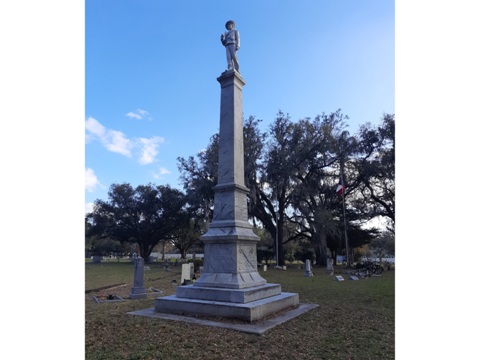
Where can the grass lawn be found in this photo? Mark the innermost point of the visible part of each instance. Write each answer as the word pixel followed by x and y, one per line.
pixel 354 320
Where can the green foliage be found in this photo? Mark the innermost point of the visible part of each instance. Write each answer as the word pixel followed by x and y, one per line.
pixel 376 170
pixel 196 263
pixel 383 245
pixel 145 215
pixel 292 171
pixel 105 246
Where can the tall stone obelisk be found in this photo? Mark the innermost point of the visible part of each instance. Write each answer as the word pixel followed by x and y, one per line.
pixel 230 285
pixel 230 243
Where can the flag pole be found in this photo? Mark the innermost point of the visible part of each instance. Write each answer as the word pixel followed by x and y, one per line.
pixel 345 218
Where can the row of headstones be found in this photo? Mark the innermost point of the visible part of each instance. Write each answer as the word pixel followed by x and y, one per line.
pixel 138 291
pixel 309 273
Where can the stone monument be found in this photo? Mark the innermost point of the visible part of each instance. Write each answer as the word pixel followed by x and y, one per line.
pixel 138 291
pixel 230 285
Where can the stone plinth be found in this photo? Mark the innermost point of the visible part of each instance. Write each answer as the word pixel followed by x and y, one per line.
pixel 252 311
pixel 229 295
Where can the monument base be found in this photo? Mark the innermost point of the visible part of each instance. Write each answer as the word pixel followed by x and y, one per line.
pixel 138 293
pixel 241 296
pixel 251 311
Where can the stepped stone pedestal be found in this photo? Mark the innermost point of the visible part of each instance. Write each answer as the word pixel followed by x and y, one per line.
pixel 230 285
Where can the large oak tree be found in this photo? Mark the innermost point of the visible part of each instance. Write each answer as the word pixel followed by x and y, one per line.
pixel 144 215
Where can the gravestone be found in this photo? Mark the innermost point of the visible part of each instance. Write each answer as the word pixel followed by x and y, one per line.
pixel 308 269
pixel 329 265
pixel 339 278
pixel 230 285
pixel 353 277
pixel 138 291
pixel 265 267
pixel 186 273
pixel 192 270
pixel 96 259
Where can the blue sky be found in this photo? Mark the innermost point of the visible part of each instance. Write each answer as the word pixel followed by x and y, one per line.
pixel 151 93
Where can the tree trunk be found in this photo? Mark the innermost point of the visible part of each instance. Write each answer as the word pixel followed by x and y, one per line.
pixel 321 250
pixel 281 255
pixel 145 251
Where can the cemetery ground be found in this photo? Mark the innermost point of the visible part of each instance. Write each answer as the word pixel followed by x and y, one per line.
pixel 354 319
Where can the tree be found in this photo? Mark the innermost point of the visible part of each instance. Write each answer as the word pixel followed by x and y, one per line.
pixel 321 153
pixel 199 176
pixel 184 237
pixel 376 169
pixel 274 186
pixel 144 215
pixel 100 246
pixel 292 172
pixel 383 245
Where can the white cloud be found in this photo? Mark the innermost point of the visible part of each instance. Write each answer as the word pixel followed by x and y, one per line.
pixel 148 149
pixel 162 171
pixel 138 115
pixel 88 207
pixel 133 115
pixel 94 129
pixel 112 140
pixel 117 142
pixel 91 181
pixel 143 112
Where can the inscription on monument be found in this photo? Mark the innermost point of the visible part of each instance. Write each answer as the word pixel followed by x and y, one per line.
pixel 247 259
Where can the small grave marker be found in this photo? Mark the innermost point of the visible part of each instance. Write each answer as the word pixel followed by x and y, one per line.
pixel 339 278
pixel 353 277
pixel 308 269
pixel 329 265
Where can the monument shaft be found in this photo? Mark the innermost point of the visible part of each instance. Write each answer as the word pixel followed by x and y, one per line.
pixel 230 243
pixel 230 285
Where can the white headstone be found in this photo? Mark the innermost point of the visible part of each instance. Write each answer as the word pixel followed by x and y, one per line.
pixel 339 278
pixel 265 267
pixel 353 277
pixel 186 273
